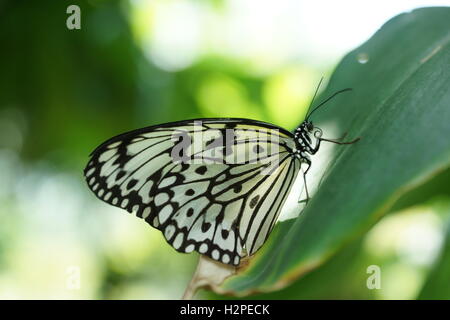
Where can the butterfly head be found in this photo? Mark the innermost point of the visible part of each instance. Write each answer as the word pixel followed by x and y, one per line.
pixel 308 126
pixel 305 134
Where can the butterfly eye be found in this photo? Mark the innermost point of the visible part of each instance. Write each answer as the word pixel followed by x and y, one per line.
pixel 310 126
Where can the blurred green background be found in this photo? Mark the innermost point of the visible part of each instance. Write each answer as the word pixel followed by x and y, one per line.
pixel 137 63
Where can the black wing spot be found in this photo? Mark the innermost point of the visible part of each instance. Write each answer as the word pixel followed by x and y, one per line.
pixel 131 183
pixel 225 234
pixel 189 192
pixel 237 188
pixel 206 226
pixel 120 174
pixel 190 212
pixel 254 201
pixel 201 170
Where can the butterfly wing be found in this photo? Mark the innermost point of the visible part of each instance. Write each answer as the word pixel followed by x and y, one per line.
pixel 215 186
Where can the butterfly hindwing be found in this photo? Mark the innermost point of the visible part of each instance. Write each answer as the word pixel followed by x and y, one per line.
pixel 215 186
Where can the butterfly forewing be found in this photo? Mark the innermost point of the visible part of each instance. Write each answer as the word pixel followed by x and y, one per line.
pixel 215 186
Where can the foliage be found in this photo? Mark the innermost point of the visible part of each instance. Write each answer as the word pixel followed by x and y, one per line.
pixel 400 110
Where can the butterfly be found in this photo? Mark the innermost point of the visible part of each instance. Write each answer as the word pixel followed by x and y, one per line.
pixel 211 185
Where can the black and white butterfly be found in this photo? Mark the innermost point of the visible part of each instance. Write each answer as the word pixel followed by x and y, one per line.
pixel 220 194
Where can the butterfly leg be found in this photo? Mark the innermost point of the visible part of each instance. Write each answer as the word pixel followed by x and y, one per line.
pixel 341 137
pixel 337 141
pixel 318 135
pixel 308 162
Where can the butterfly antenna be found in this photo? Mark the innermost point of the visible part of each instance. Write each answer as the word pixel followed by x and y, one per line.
pixel 328 99
pixel 314 96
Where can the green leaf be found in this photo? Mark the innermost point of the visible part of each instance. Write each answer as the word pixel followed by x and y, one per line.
pixel 400 107
pixel 436 286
